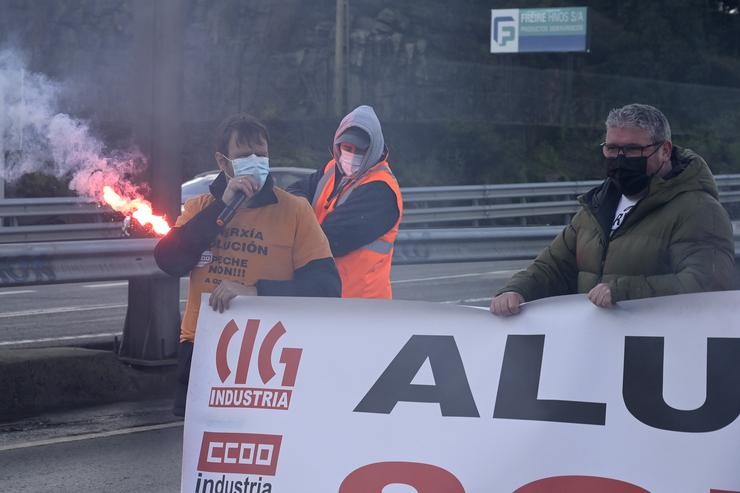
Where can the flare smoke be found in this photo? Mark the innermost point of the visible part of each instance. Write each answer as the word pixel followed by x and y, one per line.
pixel 36 136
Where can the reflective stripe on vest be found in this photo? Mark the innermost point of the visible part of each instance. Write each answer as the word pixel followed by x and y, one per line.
pixel 345 193
pixel 379 246
pixel 326 177
pixel 365 272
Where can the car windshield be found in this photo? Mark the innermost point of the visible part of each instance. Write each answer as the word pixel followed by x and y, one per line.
pixel 282 176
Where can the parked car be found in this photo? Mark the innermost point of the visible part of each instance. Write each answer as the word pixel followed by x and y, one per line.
pixel 283 177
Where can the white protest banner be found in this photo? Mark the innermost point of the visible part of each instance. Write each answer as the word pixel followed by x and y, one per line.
pixel 353 396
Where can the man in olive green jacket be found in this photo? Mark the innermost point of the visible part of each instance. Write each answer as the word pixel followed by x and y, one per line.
pixel 654 227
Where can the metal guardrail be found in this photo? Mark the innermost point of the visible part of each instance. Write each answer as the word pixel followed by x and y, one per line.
pixel 415 215
pixel 90 220
pixel 511 190
pixel 519 190
pixel 501 211
pixel 495 211
pixel 417 201
pixel 55 206
pixel 422 246
pixel 73 261
pixel 102 260
pixel 59 232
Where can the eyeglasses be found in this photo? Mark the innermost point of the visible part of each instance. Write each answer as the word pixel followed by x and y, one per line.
pixel 611 150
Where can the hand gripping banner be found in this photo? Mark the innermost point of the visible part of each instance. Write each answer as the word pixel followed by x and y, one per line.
pixel 353 396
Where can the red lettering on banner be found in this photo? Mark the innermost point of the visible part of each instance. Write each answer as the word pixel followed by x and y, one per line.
pixel 240 453
pixel 222 364
pixel 264 360
pixel 579 484
pixel 245 353
pixel 246 397
pixel 425 478
pixel 290 357
pixel 251 397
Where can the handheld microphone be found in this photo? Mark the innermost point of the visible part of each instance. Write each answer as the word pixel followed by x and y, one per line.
pixel 228 213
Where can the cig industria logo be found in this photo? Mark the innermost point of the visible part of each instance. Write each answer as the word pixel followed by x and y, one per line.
pixel 504 30
pixel 234 358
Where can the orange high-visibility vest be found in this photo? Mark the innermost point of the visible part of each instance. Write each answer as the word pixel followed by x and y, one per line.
pixel 365 272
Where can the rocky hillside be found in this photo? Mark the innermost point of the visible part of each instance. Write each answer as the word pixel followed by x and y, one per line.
pixel 452 112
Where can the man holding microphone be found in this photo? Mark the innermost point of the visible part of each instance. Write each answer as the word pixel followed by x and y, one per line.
pixel 244 238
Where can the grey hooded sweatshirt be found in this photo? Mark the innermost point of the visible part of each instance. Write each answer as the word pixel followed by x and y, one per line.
pixel 364 118
pixel 371 209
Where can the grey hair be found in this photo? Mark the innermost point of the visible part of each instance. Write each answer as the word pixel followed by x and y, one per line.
pixel 641 116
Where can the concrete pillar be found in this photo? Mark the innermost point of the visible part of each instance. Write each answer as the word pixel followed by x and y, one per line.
pixel 151 329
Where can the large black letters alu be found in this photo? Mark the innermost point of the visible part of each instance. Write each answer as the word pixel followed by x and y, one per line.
pixel 519 384
pixel 642 387
pixel 451 389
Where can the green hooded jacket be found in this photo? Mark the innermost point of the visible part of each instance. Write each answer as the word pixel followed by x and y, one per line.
pixel 677 239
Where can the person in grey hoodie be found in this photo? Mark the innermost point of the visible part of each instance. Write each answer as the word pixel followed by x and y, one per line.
pixel 358 203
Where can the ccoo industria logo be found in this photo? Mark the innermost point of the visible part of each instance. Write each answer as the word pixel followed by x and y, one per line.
pixel 234 368
pixel 504 35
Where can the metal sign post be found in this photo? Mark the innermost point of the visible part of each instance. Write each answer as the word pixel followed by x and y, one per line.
pixel 3 122
pixel 341 40
pixel 2 171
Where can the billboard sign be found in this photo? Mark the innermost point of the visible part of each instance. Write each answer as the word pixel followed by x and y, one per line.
pixel 539 30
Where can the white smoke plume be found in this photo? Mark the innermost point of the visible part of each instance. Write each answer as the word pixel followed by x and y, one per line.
pixel 36 136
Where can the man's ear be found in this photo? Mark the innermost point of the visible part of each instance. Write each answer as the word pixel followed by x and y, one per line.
pixel 667 149
pixel 223 164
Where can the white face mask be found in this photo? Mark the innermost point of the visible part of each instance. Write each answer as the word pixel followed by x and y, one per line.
pixel 350 163
pixel 252 165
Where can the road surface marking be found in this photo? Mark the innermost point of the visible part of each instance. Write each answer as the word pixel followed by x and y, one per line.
pixel 18 292
pixel 63 309
pixel 106 285
pixel 60 338
pixel 503 273
pixel 470 300
pixel 91 436
pixel 60 309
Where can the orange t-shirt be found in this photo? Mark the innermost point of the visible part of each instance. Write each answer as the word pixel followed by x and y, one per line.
pixel 268 242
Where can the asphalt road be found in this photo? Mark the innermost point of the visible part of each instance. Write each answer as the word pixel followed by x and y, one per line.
pixel 120 448
pixel 142 461
pixel 73 314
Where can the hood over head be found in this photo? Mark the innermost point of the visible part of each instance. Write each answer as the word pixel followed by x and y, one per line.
pixel 364 118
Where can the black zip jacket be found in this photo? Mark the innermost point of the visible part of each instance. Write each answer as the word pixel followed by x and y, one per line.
pixel 179 251
pixel 367 214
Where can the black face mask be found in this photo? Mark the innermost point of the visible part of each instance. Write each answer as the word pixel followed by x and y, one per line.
pixel 629 174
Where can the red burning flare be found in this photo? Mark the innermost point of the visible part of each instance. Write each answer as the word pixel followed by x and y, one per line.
pixel 137 207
